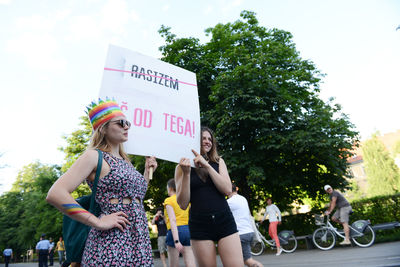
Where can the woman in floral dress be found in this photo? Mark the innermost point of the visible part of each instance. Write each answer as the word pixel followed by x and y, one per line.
pixel 120 236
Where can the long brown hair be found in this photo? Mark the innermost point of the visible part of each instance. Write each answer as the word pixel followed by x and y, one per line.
pixel 212 155
pixel 99 141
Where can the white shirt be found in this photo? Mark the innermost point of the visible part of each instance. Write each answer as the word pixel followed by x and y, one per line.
pixel 272 210
pixel 241 213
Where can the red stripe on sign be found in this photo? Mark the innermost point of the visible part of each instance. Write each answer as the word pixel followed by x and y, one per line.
pixel 134 72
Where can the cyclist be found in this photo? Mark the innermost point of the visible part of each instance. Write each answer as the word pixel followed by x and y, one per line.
pixel 342 213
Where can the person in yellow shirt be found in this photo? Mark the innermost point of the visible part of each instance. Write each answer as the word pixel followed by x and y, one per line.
pixel 61 250
pixel 178 236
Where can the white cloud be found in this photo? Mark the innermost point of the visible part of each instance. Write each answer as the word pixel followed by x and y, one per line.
pixel 135 16
pixel 33 41
pixel 83 28
pixel 115 16
pixel 165 8
pixel 237 3
pixel 35 23
pixel 5 2
pixel 106 24
pixel 38 50
pixel 208 10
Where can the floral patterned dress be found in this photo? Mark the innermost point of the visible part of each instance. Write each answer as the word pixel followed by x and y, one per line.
pixel 114 247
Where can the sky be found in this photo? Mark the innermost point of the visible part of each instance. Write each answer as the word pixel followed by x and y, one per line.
pixel 52 55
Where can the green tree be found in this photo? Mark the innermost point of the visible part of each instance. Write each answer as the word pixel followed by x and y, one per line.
pixel 24 212
pixel 2 165
pixel 382 173
pixel 11 212
pixel 396 149
pixel 261 98
pixel 356 193
pixel 77 142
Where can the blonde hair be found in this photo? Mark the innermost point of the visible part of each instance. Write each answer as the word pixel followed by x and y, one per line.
pixel 212 155
pixel 98 141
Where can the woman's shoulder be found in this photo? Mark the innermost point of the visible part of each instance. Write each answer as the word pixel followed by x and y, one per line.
pixel 90 153
pixel 88 158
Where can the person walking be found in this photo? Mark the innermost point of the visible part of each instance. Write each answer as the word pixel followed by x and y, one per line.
pixel 241 212
pixel 211 219
pixel 159 221
pixel 120 235
pixel 42 249
pixel 178 236
pixel 275 218
pixel 60 250
pixel 51 252
pixel 342 214
pixel 8 254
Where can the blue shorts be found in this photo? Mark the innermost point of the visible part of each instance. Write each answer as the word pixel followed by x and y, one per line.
pixel 212 226
pixel 184 236
pixel 246 240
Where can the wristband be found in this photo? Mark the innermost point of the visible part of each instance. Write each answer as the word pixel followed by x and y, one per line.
pixel 176 241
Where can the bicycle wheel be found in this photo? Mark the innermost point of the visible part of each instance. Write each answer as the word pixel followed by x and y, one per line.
pixel 324 238
pixel 289 244
pixel 257 248
pixel 366 239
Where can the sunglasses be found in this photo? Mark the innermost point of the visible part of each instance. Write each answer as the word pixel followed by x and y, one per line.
pixel 123 123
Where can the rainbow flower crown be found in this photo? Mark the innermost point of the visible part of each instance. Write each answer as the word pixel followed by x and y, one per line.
pixel 103 111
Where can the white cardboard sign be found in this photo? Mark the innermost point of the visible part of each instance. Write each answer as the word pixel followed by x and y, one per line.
pixel 159 99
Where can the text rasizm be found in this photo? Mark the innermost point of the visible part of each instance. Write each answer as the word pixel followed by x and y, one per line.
pixel 155 77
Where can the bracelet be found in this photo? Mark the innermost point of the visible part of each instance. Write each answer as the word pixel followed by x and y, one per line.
pixel 176 241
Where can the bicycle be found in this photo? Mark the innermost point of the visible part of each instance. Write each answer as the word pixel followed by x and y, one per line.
pixel 361 233
pixel 286 238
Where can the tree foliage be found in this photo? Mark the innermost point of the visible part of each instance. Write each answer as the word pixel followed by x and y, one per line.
pixel 24 212
pixel 2 165
pixel 383 175
pixel 77 142
pixel 261 98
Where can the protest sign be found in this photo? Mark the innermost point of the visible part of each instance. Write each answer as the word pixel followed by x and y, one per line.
pixel 159 99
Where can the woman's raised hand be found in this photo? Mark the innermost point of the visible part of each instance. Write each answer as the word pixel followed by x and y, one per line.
pixel 115 220
pixel 184 164
pixel 151 162
pixel 199 161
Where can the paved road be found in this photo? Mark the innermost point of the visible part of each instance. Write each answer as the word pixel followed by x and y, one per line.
pixel 379 255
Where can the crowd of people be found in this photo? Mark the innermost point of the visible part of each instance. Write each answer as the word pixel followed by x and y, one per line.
pixel 45 251
pixel 196 217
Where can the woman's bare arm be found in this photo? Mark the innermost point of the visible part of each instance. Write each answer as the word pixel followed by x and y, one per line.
pixel 182 182
pixel 174 226
pixel 60 197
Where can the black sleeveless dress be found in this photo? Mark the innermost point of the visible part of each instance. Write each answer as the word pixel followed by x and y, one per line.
pixel 210 217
